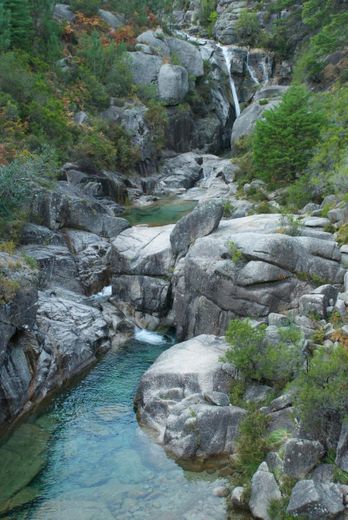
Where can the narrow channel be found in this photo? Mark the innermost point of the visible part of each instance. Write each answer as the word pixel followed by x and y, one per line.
pixel 97 463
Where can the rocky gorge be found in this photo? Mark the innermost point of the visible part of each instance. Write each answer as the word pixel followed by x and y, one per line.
pixel 82 279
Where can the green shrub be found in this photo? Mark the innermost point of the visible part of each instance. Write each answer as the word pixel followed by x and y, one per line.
pixel 321 392
pixel 251 446
pixel 206 8
pixel 87 7
pixel 157 119
pixel 247 28
pixel 284 139
pixel 94 151
pixel 8 289
pixel 235 252
pixel 260 360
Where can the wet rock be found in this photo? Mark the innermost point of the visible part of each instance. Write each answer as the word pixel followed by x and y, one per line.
pixel 264 489
pixel 144 293
pixel 315 501
pixel 202 221
pixel 301 456
pixel 22 458
pixel 178 173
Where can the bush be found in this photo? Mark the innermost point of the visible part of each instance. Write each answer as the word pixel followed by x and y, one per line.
pixel 19 178
pixel 284 139
pixel 260 360
pixel 157 120
pixel 87 7
pixel 321 392
pixel 94 151
pixel 247 28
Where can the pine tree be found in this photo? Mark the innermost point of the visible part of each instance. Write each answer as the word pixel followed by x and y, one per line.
pixel 20 22
pixel 284 139
pixel 5 32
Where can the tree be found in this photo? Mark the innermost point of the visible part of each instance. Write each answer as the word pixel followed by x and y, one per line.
pixel 5 28
pixel 20 22
pixel 284 140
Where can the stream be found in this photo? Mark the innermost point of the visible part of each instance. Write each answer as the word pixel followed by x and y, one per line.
pixel 96 462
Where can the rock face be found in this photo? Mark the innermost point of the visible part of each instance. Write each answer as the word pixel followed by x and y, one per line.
pixel 247 268
pixel 265 99
pixel 264 489
pixel 316 501
pixel 342 448
pixel 202 221
pixel 179 397
pixel 172 84
pixel 301 456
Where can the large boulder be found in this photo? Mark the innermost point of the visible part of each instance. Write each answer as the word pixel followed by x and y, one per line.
pixel 228 15
pixel 301 456
pixel 142 250
pixel 316 501
pixel 202 221
pixel 188 56
pixel 247 268
pixel 155 41
pixel 172 84
pixel 115 21
pixel 145 294
pixel 68 206
pixel 264 490
pixel 179 173
pixel 144 68
pixel 63 13
pixel 181 398
pixel 132 117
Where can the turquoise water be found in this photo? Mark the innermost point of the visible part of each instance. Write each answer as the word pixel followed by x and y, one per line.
pixel 161 213
pixel 97 463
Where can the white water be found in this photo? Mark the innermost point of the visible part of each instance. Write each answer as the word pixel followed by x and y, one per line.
pixel 251 71
pixel 225 53
pixel 146 336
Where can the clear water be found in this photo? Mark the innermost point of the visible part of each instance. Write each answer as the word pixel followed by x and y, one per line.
pixel 97 464
pixel 161 213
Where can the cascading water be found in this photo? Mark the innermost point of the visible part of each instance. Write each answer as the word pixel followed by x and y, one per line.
pixel 225 53
pixel 251 71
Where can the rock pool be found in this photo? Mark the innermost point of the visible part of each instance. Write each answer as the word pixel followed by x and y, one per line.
pixel 161 213
pixel 93 461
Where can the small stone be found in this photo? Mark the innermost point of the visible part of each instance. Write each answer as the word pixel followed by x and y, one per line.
pixel 237 498
pixel 220 491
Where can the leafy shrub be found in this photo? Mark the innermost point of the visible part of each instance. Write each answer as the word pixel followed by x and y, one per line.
pixel 8 289
pixel 94 151
pixel 235 252
pixel 157 120
pixel 251 446
pixel 284 139
pixel 87 7
pixel 260 360
pixel 321 392
pixel 206 10
pixel 247 28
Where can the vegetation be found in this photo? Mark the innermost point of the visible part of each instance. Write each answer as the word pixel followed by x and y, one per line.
pixel 247 28
pixel 284 139
pixel 323 388
pixel 262 360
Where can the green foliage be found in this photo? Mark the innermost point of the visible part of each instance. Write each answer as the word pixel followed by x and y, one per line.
pixel 284 139
pixel 260 360
pixel 290 225
pixel 298 194
pixel 5 27
pixel 206 10
pixel 235 252
pixel 251 445
pixel 331 37
pixel 20 22
pixel 157 120
pixel 19 178
pixel 247 28
pixel 8 289
pixel 277 510
pixel 87 7
pixel 323 389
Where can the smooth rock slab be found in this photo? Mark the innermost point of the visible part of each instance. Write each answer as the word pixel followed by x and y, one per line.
pixel 314 501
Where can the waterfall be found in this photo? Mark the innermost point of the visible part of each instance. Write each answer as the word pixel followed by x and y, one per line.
pixel 147 336
pixel 225 52
pixel 251 71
